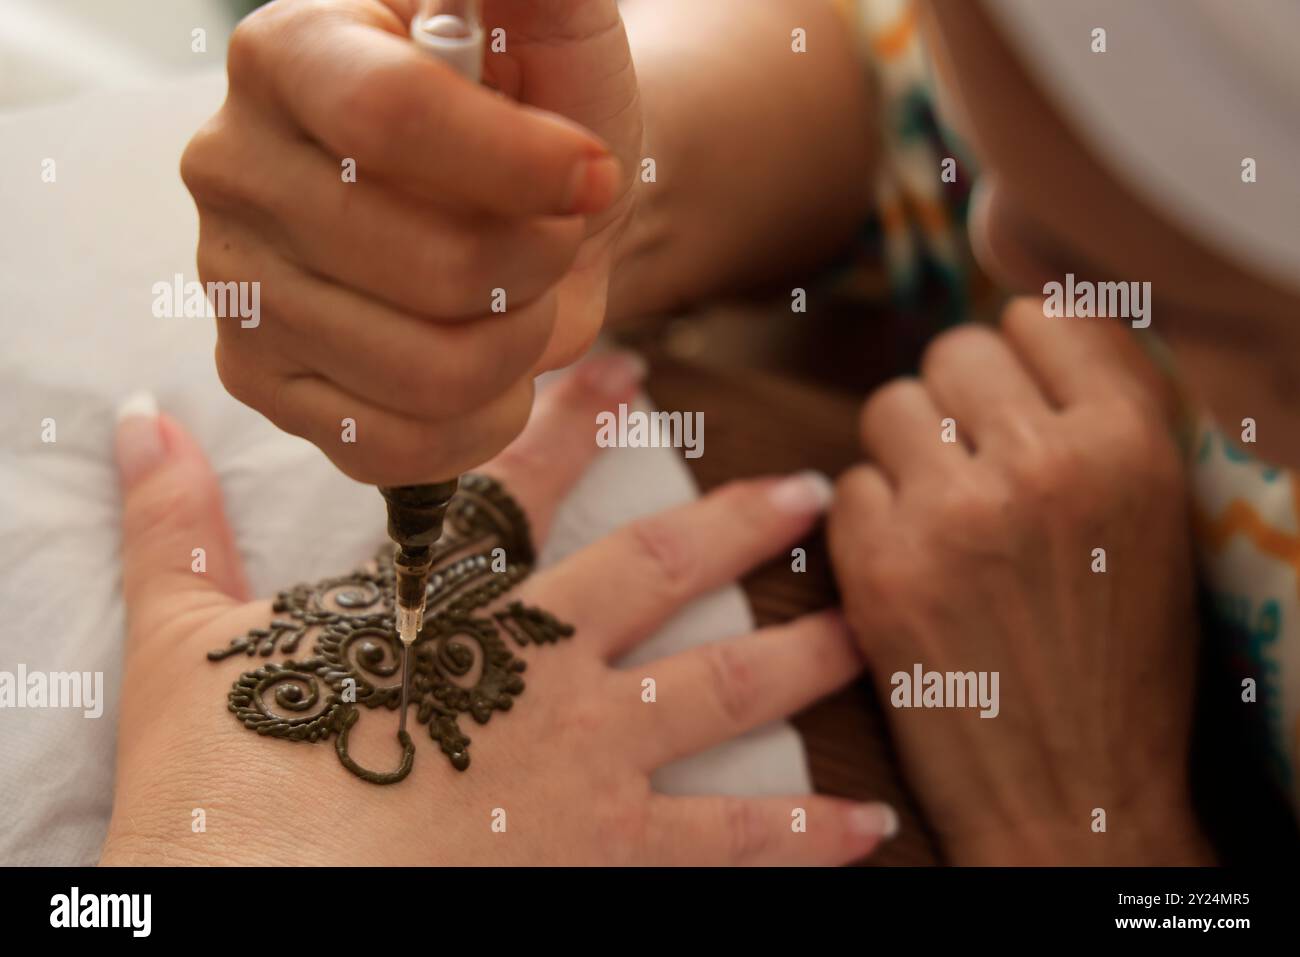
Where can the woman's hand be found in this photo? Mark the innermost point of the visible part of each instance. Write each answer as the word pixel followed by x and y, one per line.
pixel 381 201
pixel 982 556
pixel 569 765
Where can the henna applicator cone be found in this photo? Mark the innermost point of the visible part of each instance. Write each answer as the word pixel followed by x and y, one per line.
pixel 415 517
pixel 452 31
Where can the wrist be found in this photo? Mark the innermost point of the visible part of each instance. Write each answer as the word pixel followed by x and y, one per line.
pixel 1151 833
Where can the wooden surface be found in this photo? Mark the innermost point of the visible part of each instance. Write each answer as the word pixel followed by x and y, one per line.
pixel 780 393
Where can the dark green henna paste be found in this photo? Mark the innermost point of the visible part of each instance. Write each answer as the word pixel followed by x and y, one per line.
pixel 460 662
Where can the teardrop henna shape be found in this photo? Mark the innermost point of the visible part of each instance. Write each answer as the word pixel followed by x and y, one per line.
pixel 460 662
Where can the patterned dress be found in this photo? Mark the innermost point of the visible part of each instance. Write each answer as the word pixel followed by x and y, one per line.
pixel 914 247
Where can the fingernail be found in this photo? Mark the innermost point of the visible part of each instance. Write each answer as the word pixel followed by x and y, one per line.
pixel 592 184
pixel 804 493
pixel 138 442
pixel 613 373
pixel 874 820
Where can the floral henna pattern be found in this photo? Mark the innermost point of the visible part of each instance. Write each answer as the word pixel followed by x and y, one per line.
pixel 461 663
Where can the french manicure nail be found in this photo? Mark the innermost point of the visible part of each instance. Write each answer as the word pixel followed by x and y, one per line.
pixel 613 373
pixel 804 493
pixel 138 442
pixel 874 820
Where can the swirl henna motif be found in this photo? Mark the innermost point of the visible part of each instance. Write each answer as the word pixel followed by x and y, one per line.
pixel 461 663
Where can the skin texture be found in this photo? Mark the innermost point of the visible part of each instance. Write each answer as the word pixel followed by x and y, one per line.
pixel 569 765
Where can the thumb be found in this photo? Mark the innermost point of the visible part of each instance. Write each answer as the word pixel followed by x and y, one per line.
pixel 177 549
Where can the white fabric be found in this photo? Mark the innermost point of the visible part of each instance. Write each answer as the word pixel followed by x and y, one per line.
pixel 51 49
pixel 80 257
pixel 1184 92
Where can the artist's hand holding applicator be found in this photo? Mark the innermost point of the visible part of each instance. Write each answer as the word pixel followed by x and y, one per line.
pixel 472 249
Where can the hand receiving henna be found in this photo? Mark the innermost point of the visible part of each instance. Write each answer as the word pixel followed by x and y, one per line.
pixel 569 765
pixel 980 556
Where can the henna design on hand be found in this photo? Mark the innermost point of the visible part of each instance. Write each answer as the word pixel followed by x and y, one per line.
pixel 461 664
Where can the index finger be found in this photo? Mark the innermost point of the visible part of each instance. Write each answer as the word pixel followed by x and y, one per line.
pixel 348 74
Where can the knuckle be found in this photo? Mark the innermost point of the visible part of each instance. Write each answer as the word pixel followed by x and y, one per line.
pixel 977 504
pixel 215 257
pixel 747 834
pixel 194 160
pixel 883 580
pixel 208 260
pixel 1142 442
pixel 257 39
pixel 849 486
pixel 852 498
pixel 282 403
pixel 734 681
pixel 1129 427
pixel 1045 469
pixel 855 488
pixel 231 373
pixel 244 49
pixel 953 344
pixel 879 408
pixel 661 545
pixel 885 397
pixel 208 168
pixel 511 414
pixel 1020 313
